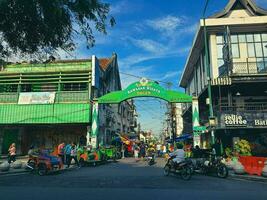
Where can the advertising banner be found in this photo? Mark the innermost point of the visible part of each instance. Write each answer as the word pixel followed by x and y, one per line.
pixel 36 98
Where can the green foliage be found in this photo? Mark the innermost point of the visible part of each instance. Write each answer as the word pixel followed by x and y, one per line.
pixel 243 148
pixel 29 26
pixel 229 152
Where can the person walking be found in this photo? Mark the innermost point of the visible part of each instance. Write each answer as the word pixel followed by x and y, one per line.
pixel 136 152
pixel 73 154
pixel 67 154
pixel 142 151
pixel 158 149
pixel 12 153
pixel 60 150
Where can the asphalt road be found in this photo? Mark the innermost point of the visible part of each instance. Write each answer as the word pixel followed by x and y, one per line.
pixel 126 180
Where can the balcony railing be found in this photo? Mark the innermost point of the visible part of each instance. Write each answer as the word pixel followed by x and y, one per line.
pixel 245 68
pixel 61 97
pixel 244 107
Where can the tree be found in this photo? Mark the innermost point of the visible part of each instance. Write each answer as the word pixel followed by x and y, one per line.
pixel 31 26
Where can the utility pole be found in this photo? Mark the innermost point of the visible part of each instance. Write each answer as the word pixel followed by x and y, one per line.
pixel 207 63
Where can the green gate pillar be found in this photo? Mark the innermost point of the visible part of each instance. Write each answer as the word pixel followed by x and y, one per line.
pixel 95 126
pixel 195 121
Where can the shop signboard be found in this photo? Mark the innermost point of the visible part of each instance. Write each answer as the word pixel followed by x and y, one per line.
pixel 36 98
pixel 243 120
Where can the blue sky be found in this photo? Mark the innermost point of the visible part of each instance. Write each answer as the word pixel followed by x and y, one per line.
pixel 152 38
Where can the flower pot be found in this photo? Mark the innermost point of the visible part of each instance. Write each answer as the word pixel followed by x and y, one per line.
pixel 238 168
pixel 264 170
pixel 4 167
pixel 17 164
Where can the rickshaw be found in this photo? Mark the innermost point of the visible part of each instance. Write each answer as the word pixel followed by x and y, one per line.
pixel 88 156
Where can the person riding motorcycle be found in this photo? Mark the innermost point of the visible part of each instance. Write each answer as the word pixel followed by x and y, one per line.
pixel 151 150
pixel 178 154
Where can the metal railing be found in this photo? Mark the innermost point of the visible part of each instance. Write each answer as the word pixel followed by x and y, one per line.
pixel 252 68
pixel 262 106
pixel 61 97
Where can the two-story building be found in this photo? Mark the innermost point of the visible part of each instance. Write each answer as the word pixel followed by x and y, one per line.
pixel 44 104
pixel 237 60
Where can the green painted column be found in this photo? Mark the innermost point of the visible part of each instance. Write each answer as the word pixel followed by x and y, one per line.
pixel 95 126
pixel 195 121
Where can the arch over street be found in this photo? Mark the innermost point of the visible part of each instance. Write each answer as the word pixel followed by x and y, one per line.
pixel 142 88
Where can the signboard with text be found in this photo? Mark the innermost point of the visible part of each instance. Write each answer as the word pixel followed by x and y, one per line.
pixel 244 119
pixel 36 97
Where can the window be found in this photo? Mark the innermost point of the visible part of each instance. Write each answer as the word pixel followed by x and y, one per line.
pixel 264 37
pixel 249 38
pixel 251 50
pixel 257 37
pixel 219 51
pixel 242 38
pixel 256 48
pixel 234 39
pixel 235 50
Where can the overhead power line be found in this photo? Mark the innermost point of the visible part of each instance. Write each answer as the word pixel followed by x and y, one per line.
pixel 169 84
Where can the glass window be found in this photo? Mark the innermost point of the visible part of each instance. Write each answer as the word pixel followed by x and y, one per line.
pixel 265 62
pixel 219 39
pixel 249 38
pixel 258 47
pixel 220 51
pixel 235 50
pixel 264 37
pixel 251 50
pixel 260 64
pixel 234 39
pixel 220 62
pixel 257 37
pixel 242 38
pixel 264 44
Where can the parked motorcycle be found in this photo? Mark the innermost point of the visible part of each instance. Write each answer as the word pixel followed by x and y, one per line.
pixel 183 168
pixel 210 164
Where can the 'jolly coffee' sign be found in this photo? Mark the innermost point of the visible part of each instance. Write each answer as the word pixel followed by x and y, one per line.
pixel 248 120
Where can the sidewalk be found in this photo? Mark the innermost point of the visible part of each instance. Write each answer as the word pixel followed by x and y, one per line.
pixel 24 160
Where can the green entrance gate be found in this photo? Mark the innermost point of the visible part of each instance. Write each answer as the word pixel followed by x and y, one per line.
pixel 143 88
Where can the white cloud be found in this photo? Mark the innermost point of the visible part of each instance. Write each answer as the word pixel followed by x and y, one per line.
pixel 127 62
pixel 167 24
pixel 171 74
pixel 149 45
pixel 119 8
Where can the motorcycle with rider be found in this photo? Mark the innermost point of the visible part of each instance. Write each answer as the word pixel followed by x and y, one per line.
pixel 177 164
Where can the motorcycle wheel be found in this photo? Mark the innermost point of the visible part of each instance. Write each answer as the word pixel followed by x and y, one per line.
pixel 222 171
pixel 166 170
pixel 42 170
pixel 186 173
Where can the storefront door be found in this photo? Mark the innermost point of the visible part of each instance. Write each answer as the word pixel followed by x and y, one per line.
pixel 10 136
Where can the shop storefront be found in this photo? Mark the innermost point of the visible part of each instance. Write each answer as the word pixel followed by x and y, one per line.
pixel 251 126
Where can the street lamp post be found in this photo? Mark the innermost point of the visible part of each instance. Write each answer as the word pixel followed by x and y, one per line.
pixel 207 64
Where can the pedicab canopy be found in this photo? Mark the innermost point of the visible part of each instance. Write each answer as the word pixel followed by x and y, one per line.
pixel 145 88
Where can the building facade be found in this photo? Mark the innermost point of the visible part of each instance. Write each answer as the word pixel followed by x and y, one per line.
pixel 237 60
pixel 44 104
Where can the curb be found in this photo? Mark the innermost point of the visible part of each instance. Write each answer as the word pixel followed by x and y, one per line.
pixel 21 172
pixel 248 178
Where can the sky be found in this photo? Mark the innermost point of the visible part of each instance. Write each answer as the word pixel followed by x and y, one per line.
pixel 152 39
